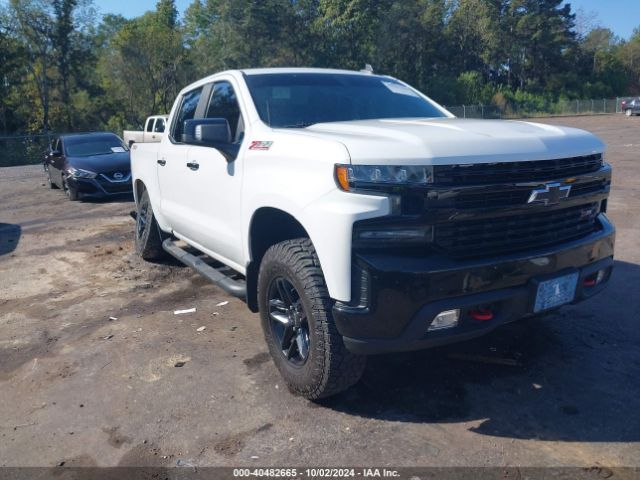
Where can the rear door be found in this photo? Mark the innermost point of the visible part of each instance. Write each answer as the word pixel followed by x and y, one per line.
pixel 214 182
pixel 174 176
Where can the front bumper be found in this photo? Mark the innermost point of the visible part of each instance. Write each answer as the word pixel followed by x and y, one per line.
pixel 398 296
pixel 100 188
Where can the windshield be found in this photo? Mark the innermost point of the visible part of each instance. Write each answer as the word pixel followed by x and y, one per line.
pixel 302 99
pixel 90 146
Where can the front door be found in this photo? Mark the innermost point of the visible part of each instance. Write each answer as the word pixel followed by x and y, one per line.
pixel 215 184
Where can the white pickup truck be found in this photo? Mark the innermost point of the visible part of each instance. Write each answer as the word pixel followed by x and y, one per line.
pixel 152 133
pixel 360 217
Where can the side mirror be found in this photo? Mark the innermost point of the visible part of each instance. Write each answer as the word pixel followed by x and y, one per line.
pixel 56 153
pixel 213 132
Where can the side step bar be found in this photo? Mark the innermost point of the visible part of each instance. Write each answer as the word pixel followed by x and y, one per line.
pixel 233 287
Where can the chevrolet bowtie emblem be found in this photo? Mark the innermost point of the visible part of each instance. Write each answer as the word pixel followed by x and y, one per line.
pixel 551 194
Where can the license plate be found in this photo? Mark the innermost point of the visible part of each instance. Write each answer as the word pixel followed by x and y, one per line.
pixel 556 292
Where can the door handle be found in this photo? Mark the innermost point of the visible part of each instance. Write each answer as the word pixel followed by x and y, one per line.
pixel 193 165
pixel 162 162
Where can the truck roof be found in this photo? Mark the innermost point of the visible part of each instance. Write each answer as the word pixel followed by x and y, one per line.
pixel 264 71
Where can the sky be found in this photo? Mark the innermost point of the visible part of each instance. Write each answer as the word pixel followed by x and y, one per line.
pixel 621 16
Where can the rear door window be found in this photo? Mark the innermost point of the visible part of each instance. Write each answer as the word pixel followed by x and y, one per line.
pixel 149 125
pixel 186 112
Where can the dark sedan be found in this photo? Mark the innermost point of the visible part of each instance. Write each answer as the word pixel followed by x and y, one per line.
pixel 89 165
pixel 631 106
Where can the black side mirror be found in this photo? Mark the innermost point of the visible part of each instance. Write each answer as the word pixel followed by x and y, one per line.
pixel 213 132
pixel 56 153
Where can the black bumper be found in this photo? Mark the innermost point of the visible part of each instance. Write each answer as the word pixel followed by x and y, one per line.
pixel 100 188
pixel 400 295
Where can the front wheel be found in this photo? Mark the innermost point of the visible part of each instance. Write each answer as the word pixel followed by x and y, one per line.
pixel 51 183
pixel 295 310
pixel 148 235
pixel 71 192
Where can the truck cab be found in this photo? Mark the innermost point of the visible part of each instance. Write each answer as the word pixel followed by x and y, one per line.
pixel 152 131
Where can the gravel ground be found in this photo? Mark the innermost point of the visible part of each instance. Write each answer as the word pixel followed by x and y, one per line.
pixel 79 388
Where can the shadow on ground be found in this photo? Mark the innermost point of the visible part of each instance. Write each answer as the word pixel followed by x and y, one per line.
pixel 571 376
pixel 122 198
pixel 9 237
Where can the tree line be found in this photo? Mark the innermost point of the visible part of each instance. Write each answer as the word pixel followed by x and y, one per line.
pixel 64 67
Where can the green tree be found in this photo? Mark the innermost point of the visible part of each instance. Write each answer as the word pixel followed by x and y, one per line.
pixel 144 64
pixel 225 34
pixel 411 45
pixel 34 29
pixel 540 31
pixel 471 31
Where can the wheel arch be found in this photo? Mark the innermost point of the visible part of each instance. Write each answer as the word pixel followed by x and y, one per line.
pixel 138 189
pixel 268 226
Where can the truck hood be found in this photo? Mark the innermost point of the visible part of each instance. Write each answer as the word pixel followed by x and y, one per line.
pixel 442 141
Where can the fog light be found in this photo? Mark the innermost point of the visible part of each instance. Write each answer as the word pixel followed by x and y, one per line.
pixel 446 319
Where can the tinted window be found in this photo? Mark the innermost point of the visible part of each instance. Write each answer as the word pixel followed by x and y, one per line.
pixel 89 146
pixel 149 125
pixel 186 112
pixel 159 128
pixel 224 104
pixel 302 99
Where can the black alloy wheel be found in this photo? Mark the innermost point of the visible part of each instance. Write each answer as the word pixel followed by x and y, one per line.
pixel 288 321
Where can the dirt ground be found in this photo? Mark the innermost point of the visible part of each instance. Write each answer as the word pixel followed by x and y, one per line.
pixel 79 388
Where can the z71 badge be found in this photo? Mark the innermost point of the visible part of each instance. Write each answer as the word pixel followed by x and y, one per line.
pixel 260 145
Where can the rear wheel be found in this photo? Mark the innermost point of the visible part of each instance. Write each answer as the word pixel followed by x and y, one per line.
pixel 148 235
pixel 297 321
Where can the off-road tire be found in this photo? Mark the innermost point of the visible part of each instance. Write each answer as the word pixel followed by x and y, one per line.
pixel 148 235
pixel 72 193
pixel 329 368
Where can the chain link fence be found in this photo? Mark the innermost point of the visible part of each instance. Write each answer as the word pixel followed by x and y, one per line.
pixel 23 149
pixel 560 109
pixel 30 149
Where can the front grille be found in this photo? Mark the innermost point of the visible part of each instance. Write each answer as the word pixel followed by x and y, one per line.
pixel 511 172
pixel 492 236
pixel 492 199
pixel 110 175
pixel 114 187
pixel 519 196
pixel 117 187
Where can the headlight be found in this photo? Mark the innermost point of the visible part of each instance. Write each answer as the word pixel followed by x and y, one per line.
pixel 79 173
pixel 382 177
